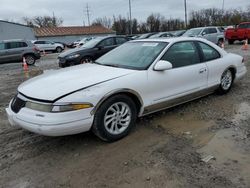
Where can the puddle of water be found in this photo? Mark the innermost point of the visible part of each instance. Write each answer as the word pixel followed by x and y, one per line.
pixel 225 149
pixel 243 113
pixel 188 126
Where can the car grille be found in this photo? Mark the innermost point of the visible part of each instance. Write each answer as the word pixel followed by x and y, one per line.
pixel 17 104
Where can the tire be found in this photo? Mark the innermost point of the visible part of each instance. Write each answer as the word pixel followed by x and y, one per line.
pixel 30 59
pixel 220 42
pixel 59 49
pixel 230 41
pixel 115 111
pixel 86 60
pixel 227 79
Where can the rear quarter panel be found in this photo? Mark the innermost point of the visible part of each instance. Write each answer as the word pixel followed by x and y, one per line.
pixel 218 66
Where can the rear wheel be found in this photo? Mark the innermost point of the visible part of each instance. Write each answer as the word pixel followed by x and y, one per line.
pixel 220 42
pixel 226 82
pixel 230 41
pixel 30 59
pixel 115 118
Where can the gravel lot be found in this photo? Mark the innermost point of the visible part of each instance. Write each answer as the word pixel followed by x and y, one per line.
pixel 164 150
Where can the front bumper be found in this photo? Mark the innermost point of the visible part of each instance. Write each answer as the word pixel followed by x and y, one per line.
pixel 51 124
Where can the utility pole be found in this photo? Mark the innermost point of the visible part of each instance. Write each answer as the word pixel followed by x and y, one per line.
pixel 88 14
pixel 223 5
pixel 185 5
pixel 130 18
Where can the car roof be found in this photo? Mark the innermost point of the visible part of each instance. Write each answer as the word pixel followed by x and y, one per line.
pixel 204 27
pixel 14 40
pixel 171 40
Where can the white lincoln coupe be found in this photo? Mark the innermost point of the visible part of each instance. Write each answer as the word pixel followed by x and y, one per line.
pixel 138 78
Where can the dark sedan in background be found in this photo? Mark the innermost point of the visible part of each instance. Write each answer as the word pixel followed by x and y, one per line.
pixel 90 51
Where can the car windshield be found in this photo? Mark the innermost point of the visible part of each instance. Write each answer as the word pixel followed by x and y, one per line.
pixel 156 35
pixel 143 36
pixel 133 55
pixel 192 32
pixel 92 43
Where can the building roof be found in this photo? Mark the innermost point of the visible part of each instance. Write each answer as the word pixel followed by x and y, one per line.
pixel 4 21
pixel 74 30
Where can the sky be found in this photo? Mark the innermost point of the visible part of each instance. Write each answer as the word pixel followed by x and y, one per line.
pixel 73 12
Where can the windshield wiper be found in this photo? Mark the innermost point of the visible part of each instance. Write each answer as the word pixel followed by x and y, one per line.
pixel 111 65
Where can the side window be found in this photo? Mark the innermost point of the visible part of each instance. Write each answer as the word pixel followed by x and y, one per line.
pixel 212 30
pixel 23 44
pixel 182 54
pixel 120 40
pixel 39 42
pixel 2 46
pixel 243 26
pixel 11 45
pixel 248 26
pixel 48 42
pixel 205 31
pixel 209 52
pixel 107 42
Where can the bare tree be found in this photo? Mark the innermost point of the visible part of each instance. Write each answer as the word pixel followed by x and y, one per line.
pixel 43 21
pixel 106 22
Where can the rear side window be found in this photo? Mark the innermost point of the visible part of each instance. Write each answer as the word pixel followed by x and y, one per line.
pixel 120 40
pixel 182 54
pixel 212 30
pixel 39 42
pixel 209 52
pixel 107 42
pixel 12 45
pixel 2 46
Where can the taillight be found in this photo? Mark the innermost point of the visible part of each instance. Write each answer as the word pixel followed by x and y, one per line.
pixel 36 49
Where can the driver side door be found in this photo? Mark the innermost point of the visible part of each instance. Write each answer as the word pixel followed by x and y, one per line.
pixel 105 46
pixel 188 75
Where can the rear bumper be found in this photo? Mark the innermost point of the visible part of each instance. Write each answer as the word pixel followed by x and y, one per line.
pixel 51 125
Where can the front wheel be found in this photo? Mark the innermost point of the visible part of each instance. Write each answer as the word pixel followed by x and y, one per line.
pixel 226 82
pixel 115 118
pixel 86 60
pixel 59 50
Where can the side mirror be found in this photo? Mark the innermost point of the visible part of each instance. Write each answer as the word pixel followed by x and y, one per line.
pixel 163 65
pixel 100 47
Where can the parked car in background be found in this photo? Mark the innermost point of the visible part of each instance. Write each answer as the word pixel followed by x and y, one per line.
pixel 146 35
pixel 138 78
pixel 178 33
pixel 15 50
pixel 45 45
pixel 162 35
pixel 90 51
pixel 213 34
pixel 240 32
pixel 84 40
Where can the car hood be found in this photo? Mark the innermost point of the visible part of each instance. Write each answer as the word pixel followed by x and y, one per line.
pixel 73 51
pixel 56 83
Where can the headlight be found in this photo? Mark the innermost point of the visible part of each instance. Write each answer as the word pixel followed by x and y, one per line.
pixel 64 107
pixel 73 56
pixel 71 107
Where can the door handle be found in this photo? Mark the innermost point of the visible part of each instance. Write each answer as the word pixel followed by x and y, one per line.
pixel 202 70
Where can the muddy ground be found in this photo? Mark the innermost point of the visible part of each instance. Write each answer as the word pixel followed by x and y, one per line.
pixel 164 150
